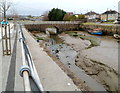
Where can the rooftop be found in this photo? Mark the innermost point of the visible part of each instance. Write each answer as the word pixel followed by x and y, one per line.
pixel 91 13
pixel 110 12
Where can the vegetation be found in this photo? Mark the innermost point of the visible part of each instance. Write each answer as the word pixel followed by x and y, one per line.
pixel 81 16
pixel 56 14
pixel 72 18
pixel 89 23
pixel 94 41
pixel 66 17
pixel 40 38
pixel 69 17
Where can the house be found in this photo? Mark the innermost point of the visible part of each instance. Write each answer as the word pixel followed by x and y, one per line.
pixel 109 15
pixel 92 16
pixel 70 13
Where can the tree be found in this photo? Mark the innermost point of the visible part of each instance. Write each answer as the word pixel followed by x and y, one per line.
pixel 45 17
pixel 4 6
pixel 66 17
pixel 56 14
pixel 72 18
pixel 81 16
pixel 29 16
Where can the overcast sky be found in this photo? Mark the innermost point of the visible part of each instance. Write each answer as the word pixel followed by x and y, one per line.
pixel 39 7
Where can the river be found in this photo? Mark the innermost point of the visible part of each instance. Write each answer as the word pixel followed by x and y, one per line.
pixel 66 54
pixel 73 53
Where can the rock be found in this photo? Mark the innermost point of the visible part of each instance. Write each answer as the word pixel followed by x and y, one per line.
pixel 76 60
pixel 67 56
pixel 57 51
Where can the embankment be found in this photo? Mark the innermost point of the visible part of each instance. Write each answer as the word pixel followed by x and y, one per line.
pixel 107 29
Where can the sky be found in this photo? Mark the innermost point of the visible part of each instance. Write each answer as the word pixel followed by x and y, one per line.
pixel 40 7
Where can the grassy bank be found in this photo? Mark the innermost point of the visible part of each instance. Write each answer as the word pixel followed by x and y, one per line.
pixel 94 41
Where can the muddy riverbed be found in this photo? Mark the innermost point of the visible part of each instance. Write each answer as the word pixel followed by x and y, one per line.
pixel 94 59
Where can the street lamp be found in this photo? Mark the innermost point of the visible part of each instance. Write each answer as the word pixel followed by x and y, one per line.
pixel 119 9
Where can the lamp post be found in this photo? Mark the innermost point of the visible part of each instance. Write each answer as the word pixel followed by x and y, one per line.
pixel 119 10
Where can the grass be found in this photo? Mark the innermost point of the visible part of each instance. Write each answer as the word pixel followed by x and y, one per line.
pixel 89 23
pixel 73 33
pixel 94 41
pixel 40 38
pixel 92 23
pixel 107 23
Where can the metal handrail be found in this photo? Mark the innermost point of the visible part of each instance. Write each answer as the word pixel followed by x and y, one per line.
pixel 28 66
pixel 34 73
pixel 25 73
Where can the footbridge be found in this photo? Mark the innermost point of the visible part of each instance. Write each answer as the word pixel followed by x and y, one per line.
pixel 59 25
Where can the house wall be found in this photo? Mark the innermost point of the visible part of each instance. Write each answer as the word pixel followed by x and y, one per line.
pixel 110 16
pixel 91 16
pixel 104 17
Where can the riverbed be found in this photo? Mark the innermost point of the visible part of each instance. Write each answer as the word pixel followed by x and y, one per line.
pixel 98 62
pixel 101 61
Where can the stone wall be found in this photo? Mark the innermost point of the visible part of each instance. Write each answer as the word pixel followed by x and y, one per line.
pixel 60 27
pixel 107 29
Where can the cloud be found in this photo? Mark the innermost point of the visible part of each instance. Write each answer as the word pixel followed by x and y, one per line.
pixel 78 6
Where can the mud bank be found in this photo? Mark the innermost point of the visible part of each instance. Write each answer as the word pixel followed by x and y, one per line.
pixel 100 71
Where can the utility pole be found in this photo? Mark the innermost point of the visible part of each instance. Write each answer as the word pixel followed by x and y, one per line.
pixel 107 15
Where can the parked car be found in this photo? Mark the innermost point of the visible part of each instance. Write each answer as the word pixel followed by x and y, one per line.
pixel 117 21
pixel 103 21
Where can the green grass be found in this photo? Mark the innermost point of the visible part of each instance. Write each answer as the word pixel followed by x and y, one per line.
pixel 94 41
pixel 40 38
pixel 89 23
pixel 73 33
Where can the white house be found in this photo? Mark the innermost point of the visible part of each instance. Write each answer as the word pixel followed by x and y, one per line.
pixel 92 16
pixel 109 15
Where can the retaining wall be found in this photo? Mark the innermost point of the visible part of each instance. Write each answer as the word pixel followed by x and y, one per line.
pixel 107 29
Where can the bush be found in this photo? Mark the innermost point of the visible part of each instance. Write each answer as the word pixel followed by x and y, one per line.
pixel 56 14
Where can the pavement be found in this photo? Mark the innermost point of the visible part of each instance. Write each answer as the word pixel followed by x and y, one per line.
pixel 10 66
pixel 50 74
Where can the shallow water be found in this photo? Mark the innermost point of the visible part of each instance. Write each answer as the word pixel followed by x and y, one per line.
pixel 66 54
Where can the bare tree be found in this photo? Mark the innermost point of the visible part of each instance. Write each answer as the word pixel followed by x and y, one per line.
pixel 45 18
pixel 4 6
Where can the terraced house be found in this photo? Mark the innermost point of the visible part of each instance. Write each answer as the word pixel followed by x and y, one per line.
pixel 110 15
